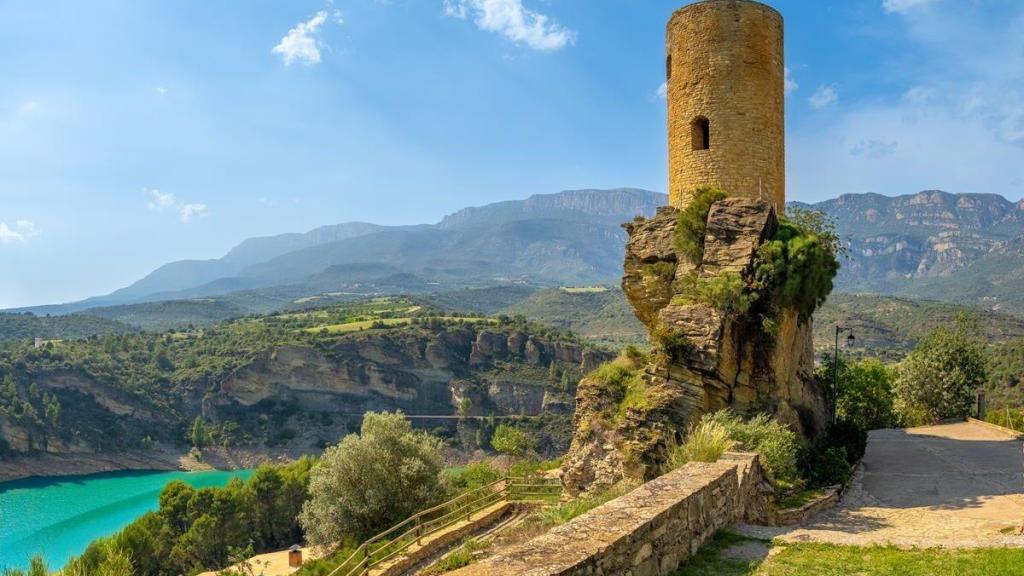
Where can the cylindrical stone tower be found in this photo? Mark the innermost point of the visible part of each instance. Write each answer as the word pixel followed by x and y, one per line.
pixel 726 100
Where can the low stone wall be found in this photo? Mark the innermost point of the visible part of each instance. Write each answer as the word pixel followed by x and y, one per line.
pixel 649 531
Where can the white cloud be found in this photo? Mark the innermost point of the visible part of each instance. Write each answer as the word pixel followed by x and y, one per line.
pixel 189 212
pixel 302 43
pixel 823 96
pixel 903 6
pixel 514 21
pixel 161 90
pixel 19 233
pixel 790 84
pixel 662 91
pixel 158 200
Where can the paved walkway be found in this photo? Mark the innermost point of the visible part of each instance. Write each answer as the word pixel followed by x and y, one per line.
pixel 954 485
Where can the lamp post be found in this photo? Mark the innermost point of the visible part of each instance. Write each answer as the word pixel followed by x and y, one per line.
pixel 850 339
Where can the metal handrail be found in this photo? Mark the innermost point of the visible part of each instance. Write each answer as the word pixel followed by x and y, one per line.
pixel 465 505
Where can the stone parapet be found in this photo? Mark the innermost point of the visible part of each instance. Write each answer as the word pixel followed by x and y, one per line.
pixel 647 532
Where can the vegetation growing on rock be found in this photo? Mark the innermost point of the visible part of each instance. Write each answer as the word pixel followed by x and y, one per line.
pixel 692 223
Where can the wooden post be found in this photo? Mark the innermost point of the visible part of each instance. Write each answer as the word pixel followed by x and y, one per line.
pixel 419 530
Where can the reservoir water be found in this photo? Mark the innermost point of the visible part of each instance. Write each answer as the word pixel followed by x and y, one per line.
pixel 58 517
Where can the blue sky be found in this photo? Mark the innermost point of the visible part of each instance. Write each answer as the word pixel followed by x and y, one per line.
pixel 137 132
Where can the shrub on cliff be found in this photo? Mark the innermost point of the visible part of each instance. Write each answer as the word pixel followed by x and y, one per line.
pixel 728 292
pixel 940 377
pixel 693 222
pixel 372 481
pixel 795 268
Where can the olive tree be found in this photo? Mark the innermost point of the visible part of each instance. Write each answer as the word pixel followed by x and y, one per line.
pixel 371 481
pixel 939 378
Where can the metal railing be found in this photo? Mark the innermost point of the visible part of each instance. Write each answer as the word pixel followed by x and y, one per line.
pixel 395 540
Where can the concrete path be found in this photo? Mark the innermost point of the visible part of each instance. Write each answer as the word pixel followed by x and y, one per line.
pixel 955 485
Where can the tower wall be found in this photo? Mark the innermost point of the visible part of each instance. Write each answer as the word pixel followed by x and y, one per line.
pixel 726 91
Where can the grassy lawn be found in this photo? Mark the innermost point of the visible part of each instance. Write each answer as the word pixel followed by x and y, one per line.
pixel 832 560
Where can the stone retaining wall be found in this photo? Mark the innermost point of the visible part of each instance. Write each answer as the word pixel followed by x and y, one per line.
pixel 649 531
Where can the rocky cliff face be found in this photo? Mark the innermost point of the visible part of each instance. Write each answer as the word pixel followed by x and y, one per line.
pixel 932 234
pixel 706 361
pixel 296 397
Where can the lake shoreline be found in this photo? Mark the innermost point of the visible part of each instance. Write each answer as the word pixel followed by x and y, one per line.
pixel 56 465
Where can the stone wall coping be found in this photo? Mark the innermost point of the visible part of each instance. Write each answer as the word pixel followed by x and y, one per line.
pixel 595 533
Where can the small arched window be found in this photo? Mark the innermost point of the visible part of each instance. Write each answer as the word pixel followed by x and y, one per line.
pixel 668 67
pixel 700 133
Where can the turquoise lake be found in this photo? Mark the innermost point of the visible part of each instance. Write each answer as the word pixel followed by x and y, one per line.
pixel 59 517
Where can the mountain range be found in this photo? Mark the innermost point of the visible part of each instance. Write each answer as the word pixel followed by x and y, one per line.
pixel 963 248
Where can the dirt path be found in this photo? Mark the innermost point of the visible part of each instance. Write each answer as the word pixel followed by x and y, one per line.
pixel 954 485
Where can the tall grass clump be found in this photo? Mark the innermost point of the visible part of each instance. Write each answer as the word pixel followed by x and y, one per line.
pixel 706 443
pixel 772 441
pixel 721 431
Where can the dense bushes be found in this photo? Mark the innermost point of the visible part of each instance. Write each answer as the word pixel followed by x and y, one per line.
pixel 724 430
pixel 795 268
pixel 940 377
pixel 194 530
pixel 372 481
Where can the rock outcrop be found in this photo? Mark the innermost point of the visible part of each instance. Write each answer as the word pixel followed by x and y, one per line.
pixel 705 359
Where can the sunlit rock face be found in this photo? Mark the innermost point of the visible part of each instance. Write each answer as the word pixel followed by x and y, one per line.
pixel 726 361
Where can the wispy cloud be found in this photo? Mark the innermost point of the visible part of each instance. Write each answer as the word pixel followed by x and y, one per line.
pixel 511 19
pixel 791 85
pixel 189 212
pixel 158 200
pixel 903 6
pixel 662 91
pixel 823 96
pixel 17 234
pixel 302 43
pixel 874 149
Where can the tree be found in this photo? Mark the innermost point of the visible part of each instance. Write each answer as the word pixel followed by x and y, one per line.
pixel 940 377
pixel 372 481
pixel 510 440
pixel 865 395
pixel 199 434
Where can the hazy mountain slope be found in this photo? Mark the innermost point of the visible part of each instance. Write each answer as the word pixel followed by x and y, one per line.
pixel 185 274
pixel 896 243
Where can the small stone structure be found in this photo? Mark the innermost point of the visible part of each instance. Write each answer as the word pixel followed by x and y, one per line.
pixel 649 531
pixel 725 80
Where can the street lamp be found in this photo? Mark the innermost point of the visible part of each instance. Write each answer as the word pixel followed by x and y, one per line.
pixel 850 339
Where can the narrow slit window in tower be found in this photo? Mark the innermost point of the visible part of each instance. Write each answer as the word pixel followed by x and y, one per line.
pixel 700 130
pixel 668 67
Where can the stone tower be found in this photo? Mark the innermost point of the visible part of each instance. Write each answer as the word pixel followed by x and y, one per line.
pixel 726 94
